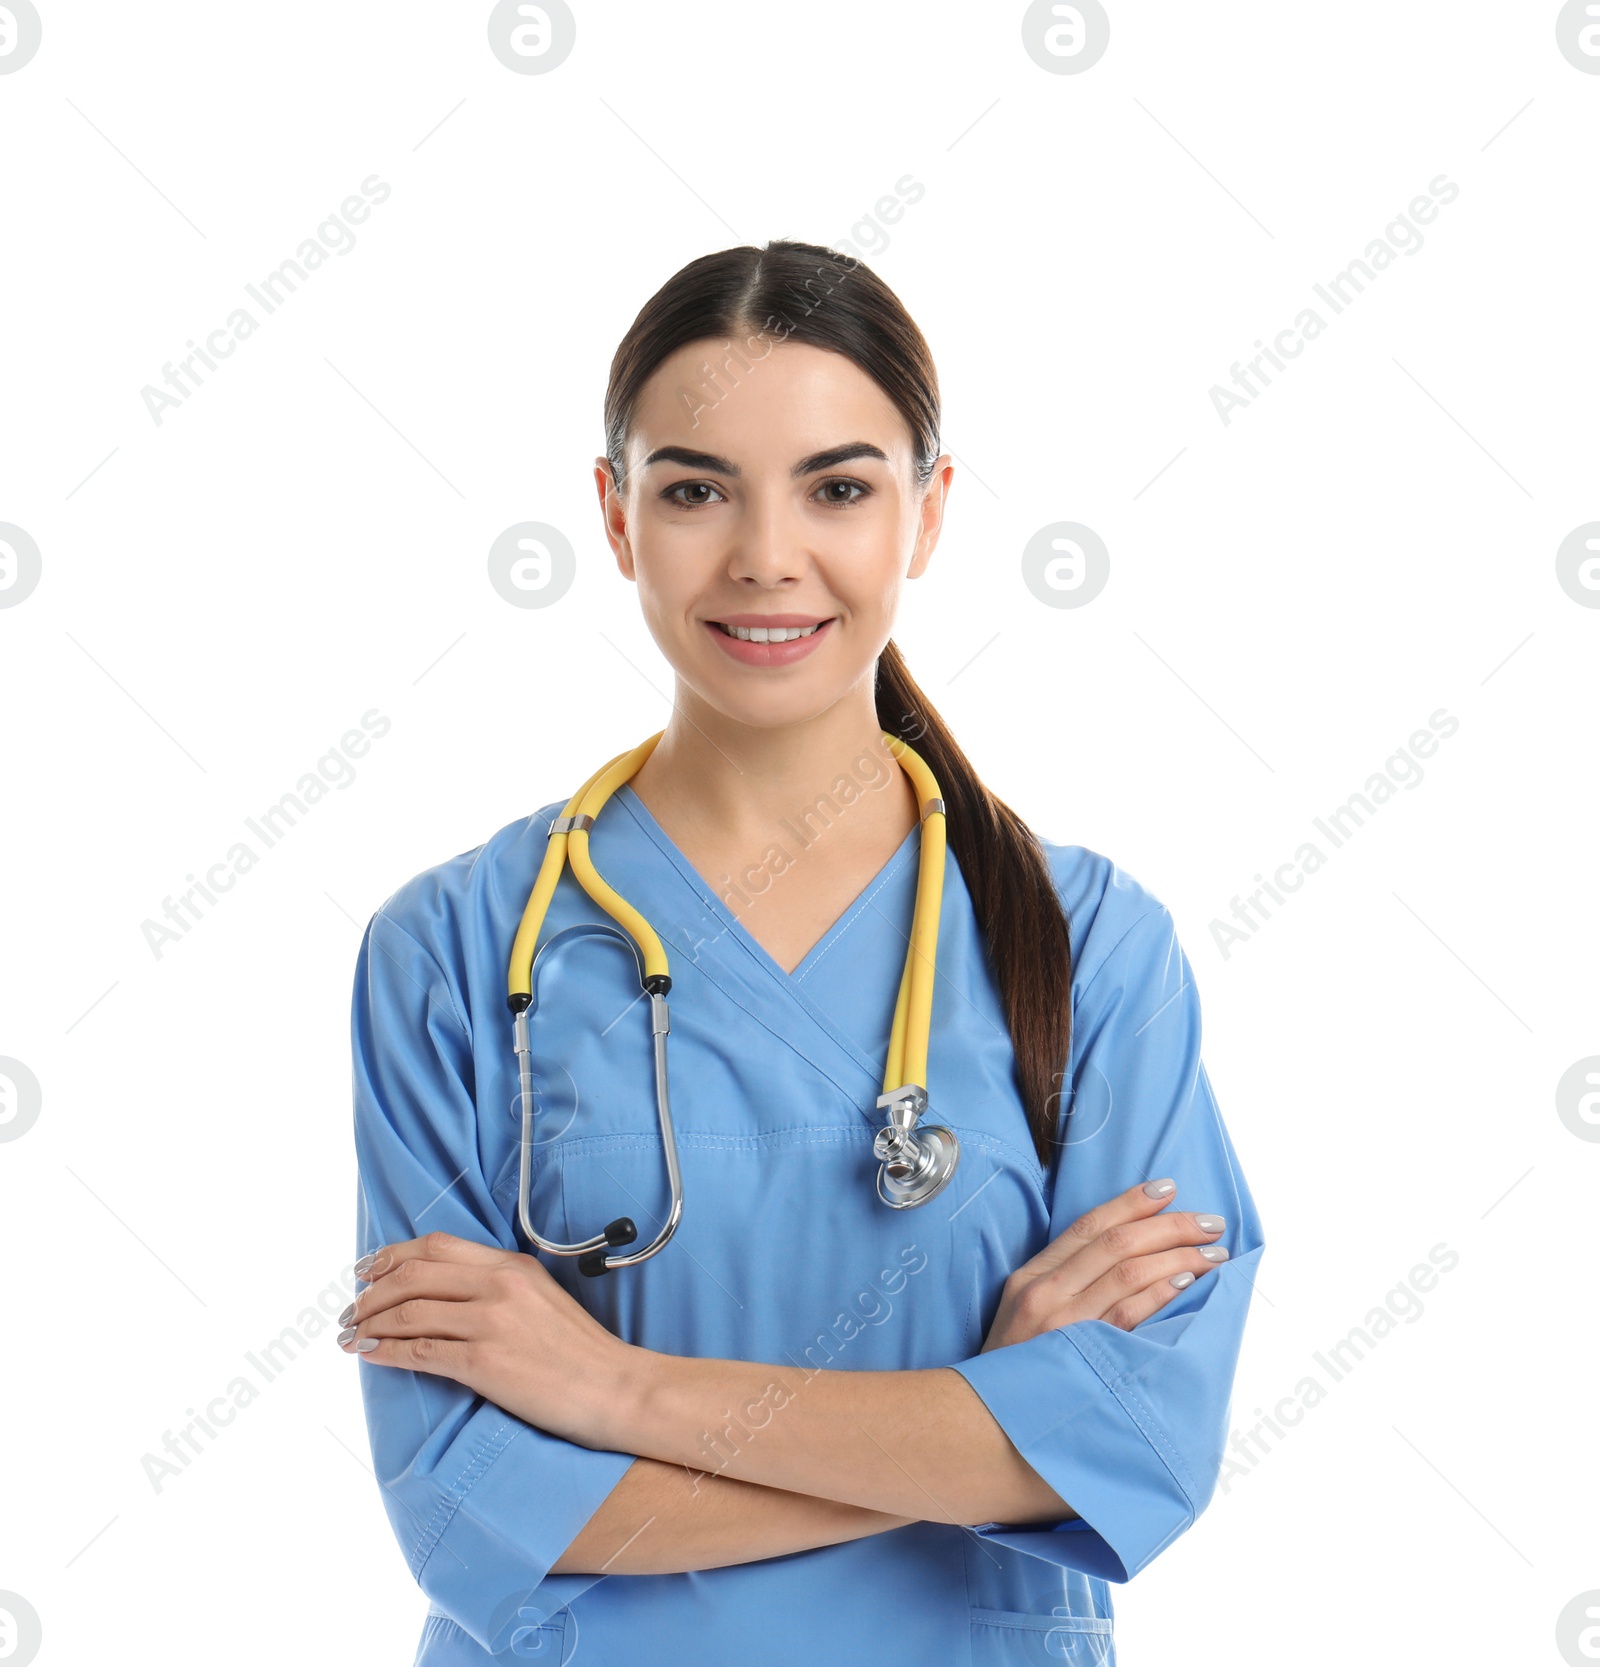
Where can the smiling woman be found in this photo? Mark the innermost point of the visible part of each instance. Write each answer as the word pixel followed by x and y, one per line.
pixel 670 1461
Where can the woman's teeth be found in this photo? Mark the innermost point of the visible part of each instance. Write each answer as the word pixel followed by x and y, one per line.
pixel 767 633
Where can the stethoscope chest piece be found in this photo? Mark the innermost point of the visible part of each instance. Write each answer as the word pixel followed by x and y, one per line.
pixel 915 1164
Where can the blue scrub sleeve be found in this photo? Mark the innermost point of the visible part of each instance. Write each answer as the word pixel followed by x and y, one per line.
pixel 481 1502
pixel 1129 1427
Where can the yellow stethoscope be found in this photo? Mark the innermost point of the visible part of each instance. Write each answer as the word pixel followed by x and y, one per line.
pixel 915 1163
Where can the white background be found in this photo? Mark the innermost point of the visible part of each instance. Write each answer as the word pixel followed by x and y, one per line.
pixel 1291 595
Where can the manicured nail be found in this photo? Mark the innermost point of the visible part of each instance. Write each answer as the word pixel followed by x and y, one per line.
pixel 1211 1252
pixel 366 1345
pixel 1158 1189
pixel 348 1315
pixel 365 1264
pixel 1182 1280
pixel 1209 1224
pixel 346 1335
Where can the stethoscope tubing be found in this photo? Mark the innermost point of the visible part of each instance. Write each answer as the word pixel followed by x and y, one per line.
pixel 916 1163
pixel 622 1230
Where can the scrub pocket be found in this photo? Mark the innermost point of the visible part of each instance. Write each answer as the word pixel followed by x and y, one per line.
pixel 1004 1637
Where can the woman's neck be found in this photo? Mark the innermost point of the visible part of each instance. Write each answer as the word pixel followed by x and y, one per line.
pixel 736 788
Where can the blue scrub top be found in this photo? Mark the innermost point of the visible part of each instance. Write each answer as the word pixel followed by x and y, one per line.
pixel 785 1254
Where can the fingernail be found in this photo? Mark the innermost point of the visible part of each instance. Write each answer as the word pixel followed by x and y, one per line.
pixel 346 1335
pixel 1182 1280
pixel 366 1345
pixel 365 1264
pixel 348 1315
pixel 1158 1189
pixel 1209 1224
pixel 1211 1252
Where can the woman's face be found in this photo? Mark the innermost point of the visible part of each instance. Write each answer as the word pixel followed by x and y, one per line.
pixel 780 492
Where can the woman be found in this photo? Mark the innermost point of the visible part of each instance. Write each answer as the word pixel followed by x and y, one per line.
pixel 809 1425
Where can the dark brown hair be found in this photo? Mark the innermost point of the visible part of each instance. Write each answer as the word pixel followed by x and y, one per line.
pixel 803 292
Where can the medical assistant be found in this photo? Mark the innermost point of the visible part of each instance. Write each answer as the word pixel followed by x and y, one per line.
pixel 784 1253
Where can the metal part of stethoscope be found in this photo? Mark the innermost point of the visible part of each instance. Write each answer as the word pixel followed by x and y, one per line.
pixel 916 1162
pixel 591 1253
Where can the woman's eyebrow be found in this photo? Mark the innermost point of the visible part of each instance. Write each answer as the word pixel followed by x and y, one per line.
pixel 688 458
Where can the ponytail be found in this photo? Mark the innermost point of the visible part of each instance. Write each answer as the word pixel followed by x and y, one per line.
pixel 1014 899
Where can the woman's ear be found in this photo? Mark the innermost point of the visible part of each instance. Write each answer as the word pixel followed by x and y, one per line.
pixel 613 514
pixel 931 514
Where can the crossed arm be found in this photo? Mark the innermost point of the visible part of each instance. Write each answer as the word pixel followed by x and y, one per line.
pixel 813 1461
pixel 737 1460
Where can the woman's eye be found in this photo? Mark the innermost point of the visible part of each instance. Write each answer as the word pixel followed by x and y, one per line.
pixel 696 494
pixel 671 494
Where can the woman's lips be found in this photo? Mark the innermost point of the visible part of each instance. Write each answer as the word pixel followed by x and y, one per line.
pixel 768 653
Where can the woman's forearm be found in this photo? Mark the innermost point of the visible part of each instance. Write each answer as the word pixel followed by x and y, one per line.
pixel 664 1519
pixel 919 1445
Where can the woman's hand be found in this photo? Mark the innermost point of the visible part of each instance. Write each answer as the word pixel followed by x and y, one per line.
pixel 496 1321
pixel 1118 1263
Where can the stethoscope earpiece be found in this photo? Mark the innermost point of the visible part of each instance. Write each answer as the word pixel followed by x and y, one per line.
pixel 621 1231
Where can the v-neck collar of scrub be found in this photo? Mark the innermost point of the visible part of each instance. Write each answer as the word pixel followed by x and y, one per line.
pixel 798 1017
pixel 702 888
